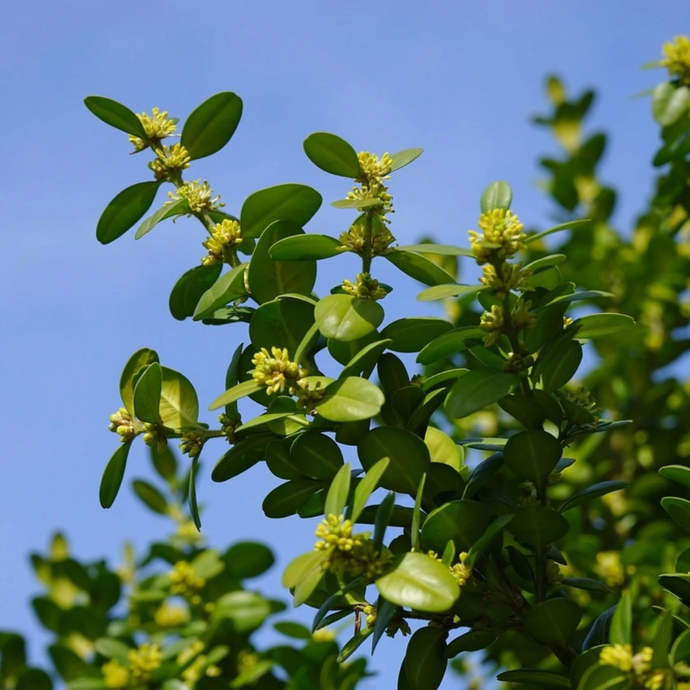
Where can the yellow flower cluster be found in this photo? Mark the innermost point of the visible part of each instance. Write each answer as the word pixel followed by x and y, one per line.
pixel 366 287
pixel 170 616
pixel 460 571
pixel 348 553
pixel 199 196
pixel 581 397
pixel 610 568
pixel 123 425
pixel 513 277
pixel 185 582
pixel 246 661
pixel 225 234
pixel 308 394
pixel 677 58
pixel 354 239
pixel 228 426
pixel 157 126
pixel 639 665
pixel 493 323
pixel 370 612
pixel 171 159
pixel 154 436
pixel 275 369
pixel 374 171
pixel 141 663
pixel 115 675
pixel 502 236
pixel 191 443
pixel 522 317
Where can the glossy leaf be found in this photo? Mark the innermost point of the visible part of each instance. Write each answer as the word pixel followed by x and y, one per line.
pixel 677 473
pixel 285 499
pixel 444 291
pixel 411 334
pixel 365 359
pixel 621 623
pixel 476 389
pixel 241 457
pixel 138 361
pixel 552 622
pixel 179 406
pixel 669 103
pixel 532 676
pixel 570 225
pixel 336 499
pixel 532 455
pixel 345 317
pixel 332 154
pixel 462 522
pixel 591 492
pixel 125 210
pixel 305 248
pixel 113 474
pixel 419 582
pixel 497 195
pixel 316 455
pixel 350 400
pixel 189 289
pixel 211 125
pixel 678 509
pixel 598 325
pixel 450 343
pixel 169 210
pixel 147 394
pixel 425 660
pixel 281 323
pixel 116 115
pixel 435 249
pixel 229 287
pixel 294 202
pixel 367 486
pixel 403 158
pixel 538 526
pixel 237 392
pixel 603 678
pixel 418 267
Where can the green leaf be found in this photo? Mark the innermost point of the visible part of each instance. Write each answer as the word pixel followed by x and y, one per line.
pixel 435 249
pixel 491 532
pixel 235 393
pixel 678 585
pixel 305 248
pixel 440 292
pixel 669 103
pixel 229 287
pixel 425 661
pixel 411 334
pixel 345 317
pixel 677 473
pixel 113 474
pixel 138 361
pixel 471 641
pixel 365 359
pixel 246 559
pixel 330 602
pixel 462 522
pixel 678 509
pixel 533 676
pixel 281 323
pixel 538 526
pixel 603 678
pixel 241 457
pixel 418 267
pixel 478 388
pixel 116 115
pixel 417 514
pixel 303 574
pixel 179 404
pixel 295 202
pixel 403 158
pixel 317 456
pixel 112 648
pixel 332 154
pixel 267 278
pixel 592 492
pixel 245 610
pixel 33 679
pixel 150 496
pixel 662 641
pixel 189 289
pixel 532 455
pixel 125 210
pixel 552 622
pixel 193 503
pixel 336 499
pixel 170 210
pixel 497 195
pixel 353 644
pixel 408 457
pixel 587 584
pixel 367 486
pixel 544 263
pixel 621 623
pixel 449 343
pixel 211 125
pixel 359 204
pixel 350 400
pixel 558 365
pixel 680 652
pixel 420 583
pixel 443 449
pixel 147 394
pixel 287 498
pixel 570 225
pixel 598 325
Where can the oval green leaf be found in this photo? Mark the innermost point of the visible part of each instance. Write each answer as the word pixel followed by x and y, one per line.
pixel 332 154
pixel 116 115
pixel 211 125
pixel 478 388
pixel 125 210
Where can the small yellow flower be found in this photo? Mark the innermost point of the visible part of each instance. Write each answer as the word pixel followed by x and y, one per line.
pixel 610 568
pixel 366 287
pixel 374 171
pixel 460 571
pixel 123 425
pixel 642 661
pixel 502 236
pixel 199 196
pixel 677 59
pixel 370 612
pixel 492 322
pixel 308 394
pixel 192 443
pixel 513 277
pixel 617 655
pixel 581 397
pixel 324 635
pixel 373 167
pixel 154 436
pixel 144 660
pixel 335 531
pixel 246 660
pixel 275 369
pixel 522 317
pixel 225 234
pixel 354 239
pixel 157 126
pixel 171 159
pixel 115 675
pixel 184 579
pixel 170 616
pixel 188 653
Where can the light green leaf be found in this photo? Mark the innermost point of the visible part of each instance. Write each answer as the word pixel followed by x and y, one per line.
pixel 403 158
pixel 147 394
pixel 570 225
pixel 497 195
pixel 350 400
pixel 367 486
pixel 227 288
pixel 150 496
pixel 677 473
pixel 235 393
pixel 176 208
pixel 669 103
pixel 435 249
pixel 179 406
pixel 305 248
pixel 598 325
pixel 345 317
pixel 621 623
pixel 138 361
pixel 363 362
pixel 336 499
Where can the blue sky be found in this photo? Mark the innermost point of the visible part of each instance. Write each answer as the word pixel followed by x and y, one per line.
pixel 457 78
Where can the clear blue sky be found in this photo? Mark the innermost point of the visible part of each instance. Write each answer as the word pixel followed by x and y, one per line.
pixel 457 78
